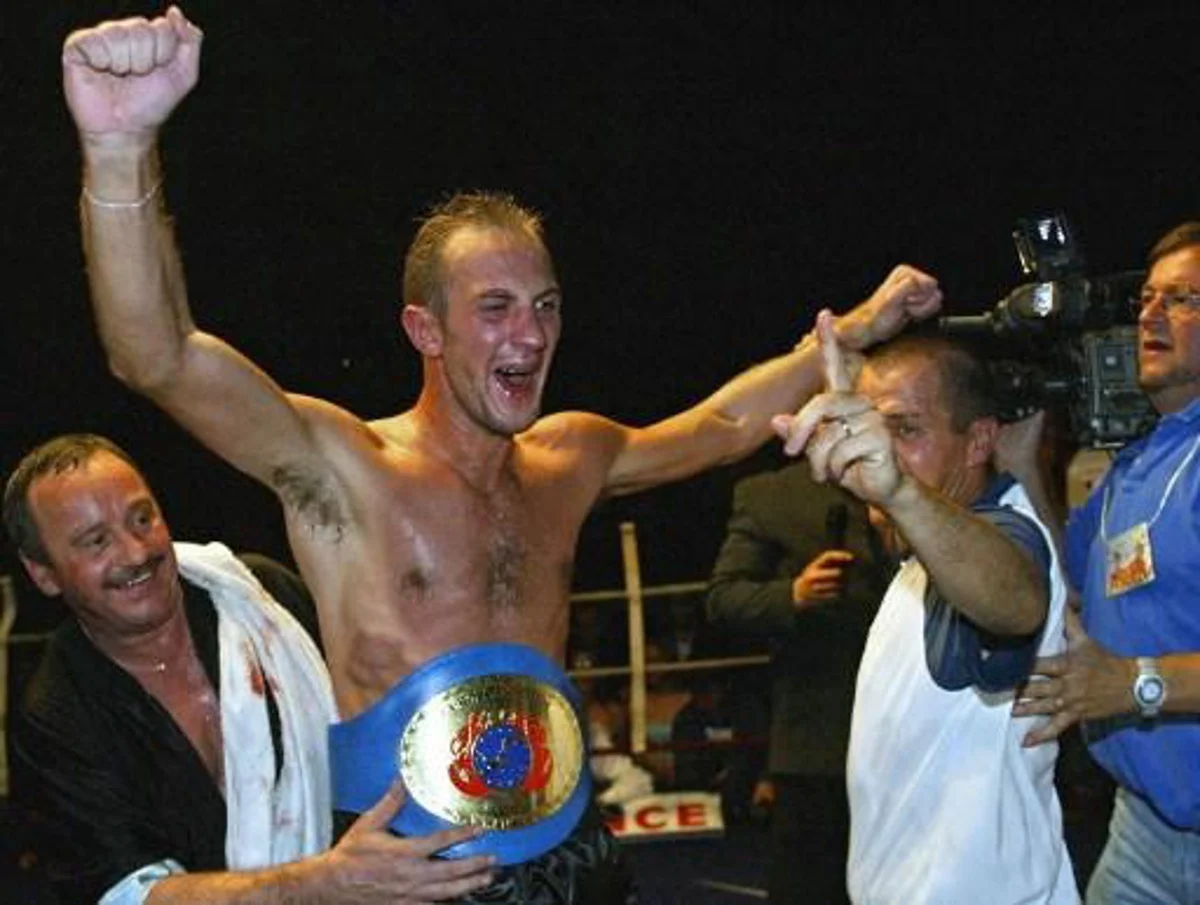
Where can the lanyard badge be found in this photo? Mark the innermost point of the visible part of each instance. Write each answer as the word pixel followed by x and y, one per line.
pixel 1130 560
pixel 1129 557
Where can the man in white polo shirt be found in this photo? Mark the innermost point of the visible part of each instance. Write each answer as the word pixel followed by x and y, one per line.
pixel 946 806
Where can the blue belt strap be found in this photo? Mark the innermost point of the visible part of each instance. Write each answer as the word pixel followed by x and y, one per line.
pixel 365 752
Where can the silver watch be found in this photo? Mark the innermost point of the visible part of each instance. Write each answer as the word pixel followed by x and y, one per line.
pixel 1149 688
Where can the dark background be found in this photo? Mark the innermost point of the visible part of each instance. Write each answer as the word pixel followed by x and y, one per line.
pixel 711 173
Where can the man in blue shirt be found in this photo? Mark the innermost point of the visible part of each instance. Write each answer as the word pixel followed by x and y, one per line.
pixel 1132 672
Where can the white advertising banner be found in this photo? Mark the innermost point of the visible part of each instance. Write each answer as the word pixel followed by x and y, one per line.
pixel 668 816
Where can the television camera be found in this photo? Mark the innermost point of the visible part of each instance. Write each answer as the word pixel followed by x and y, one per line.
pixel 1064 341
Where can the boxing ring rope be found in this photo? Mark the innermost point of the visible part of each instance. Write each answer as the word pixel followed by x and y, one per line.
pixel 637 637
pixel 636 596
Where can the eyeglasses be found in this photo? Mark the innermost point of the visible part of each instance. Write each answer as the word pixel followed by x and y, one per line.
pixel 1173 296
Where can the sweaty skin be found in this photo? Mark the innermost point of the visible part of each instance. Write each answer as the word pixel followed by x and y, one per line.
pixel 451 523
pixel 437 556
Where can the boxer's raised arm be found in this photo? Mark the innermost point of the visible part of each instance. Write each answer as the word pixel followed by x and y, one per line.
pixel 122 80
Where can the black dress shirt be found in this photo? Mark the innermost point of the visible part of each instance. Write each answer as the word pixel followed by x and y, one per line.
pixel 105 768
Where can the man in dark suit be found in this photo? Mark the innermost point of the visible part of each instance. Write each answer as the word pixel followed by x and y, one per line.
pixel 802 569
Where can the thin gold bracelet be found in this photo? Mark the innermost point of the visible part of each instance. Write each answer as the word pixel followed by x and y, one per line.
pixel 121 205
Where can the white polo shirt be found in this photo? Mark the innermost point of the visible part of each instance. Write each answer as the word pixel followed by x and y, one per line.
pixel 946 807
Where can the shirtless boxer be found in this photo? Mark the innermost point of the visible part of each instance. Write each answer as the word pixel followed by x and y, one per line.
pixel 454 522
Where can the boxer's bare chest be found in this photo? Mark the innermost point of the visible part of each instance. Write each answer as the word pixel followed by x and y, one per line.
pixel 503 552
pixel 439 560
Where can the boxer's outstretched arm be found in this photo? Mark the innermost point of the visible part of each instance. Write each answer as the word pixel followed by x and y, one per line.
pixel 736 419
pixel 122 81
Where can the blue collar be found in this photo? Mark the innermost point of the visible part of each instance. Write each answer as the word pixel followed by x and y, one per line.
pixel 997 486
pixel 1184 421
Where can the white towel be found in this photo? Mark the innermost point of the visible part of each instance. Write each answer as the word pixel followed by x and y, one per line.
pixel 261 644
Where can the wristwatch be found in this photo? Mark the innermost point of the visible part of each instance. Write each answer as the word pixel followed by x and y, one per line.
pixel 1149 688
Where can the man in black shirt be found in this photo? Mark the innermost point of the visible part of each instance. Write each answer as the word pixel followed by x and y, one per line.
pixel 802 569
pixel 174 736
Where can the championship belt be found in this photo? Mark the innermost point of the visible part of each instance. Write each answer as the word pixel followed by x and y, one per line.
pixel 485 735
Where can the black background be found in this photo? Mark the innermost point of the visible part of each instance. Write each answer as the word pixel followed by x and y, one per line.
pixel 711 174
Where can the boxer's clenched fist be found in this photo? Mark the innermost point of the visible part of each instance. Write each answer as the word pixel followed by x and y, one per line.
pixel 125 77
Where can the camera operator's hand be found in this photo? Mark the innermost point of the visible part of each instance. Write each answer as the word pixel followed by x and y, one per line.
pixel 907 295
pixel 1018 451
pixel 841 433
pixel 1018 447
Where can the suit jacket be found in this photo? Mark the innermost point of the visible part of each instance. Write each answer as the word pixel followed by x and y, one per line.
pixel 778 525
